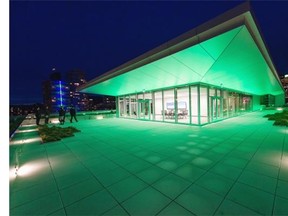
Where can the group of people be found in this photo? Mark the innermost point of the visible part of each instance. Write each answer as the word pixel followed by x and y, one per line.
pixel 38 115
pixel 62 114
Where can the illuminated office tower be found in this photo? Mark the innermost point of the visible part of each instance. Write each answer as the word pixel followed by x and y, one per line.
pixel 74 79
pixel 55 92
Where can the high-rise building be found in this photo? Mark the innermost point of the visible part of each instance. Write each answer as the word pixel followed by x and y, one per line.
pixel 75 78
pixel 284 81
pixel 55 92
pixel 101 102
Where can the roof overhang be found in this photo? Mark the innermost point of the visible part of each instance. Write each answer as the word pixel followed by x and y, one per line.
pixel 227 51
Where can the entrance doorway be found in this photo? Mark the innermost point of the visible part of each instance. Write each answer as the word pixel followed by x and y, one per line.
pixel 144 109
pixel 215 108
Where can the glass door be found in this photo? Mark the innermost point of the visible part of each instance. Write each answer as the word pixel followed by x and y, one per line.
pixel 144 109
pixel 216 108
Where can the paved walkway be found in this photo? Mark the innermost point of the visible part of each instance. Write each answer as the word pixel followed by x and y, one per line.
pixel 126 167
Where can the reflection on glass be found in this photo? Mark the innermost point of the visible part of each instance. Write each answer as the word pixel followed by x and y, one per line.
pixel 183 105
pixel 169 106
pixel 194 105
pixel 133 106
pixel 158 106
pixel 203 105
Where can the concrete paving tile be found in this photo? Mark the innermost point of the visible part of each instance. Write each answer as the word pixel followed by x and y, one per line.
pixel 231 208
pixel 95 204
pixel 282 189
pixel 124 159
pixel 252 198
pixel 259 181
pixel 154 158
pixel 263 169
pixel 280 207
pixel 39 206
pixel 234 161
pixel 118 210
pixel 189 172
pixel 215 183
pixel 32 193
pixel 203 162
pixel 65 167
pixel 226 170
pixel 147 202
pixel 174 209
pixel 171 185
pixel 60 212
pixel 79 191
pixel 126 188
pixel 170 164
pixel 113 176
pixel 213 156
pixel 73 178
pixel 283 175
pixel 199 200
pixel 152 174
pixel 137 166
pixel 32 178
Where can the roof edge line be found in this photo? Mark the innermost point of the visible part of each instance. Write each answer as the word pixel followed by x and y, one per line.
pixel 186 39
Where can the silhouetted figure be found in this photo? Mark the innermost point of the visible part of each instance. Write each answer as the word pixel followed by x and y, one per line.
pixel 61 115
pixel 47 114
pixel 38 115
pixel 73 113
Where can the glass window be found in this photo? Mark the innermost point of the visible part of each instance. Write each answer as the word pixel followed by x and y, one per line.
pixel 169 106
pixel 133 106
pixel 203 105
pixel 245 103
pixel 140 96
pixel 212 92
pixel 158 106
pixel 225 104
pixel 127 105
pixel 233 104
pixel 194 105
pixel 121 106
pixel 148 95
pixel 183 105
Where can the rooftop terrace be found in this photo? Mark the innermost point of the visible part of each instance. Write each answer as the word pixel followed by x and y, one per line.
pixel 128 167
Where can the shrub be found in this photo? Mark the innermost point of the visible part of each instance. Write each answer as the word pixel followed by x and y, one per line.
pixel 281 122
pixel 55 133
pixel 281 119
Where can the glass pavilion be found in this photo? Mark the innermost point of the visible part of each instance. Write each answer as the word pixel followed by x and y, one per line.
pixel 213 72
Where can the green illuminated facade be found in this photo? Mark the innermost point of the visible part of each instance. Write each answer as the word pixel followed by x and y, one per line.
pixel 215 71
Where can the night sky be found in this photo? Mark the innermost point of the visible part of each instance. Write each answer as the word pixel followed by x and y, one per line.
pixel 96 36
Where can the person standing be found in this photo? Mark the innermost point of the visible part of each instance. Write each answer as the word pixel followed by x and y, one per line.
pixel 61 115
pixel 47 114
pixel 38 115
pixel 73 113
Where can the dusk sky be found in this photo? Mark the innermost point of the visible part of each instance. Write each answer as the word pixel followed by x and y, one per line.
pixel 96 36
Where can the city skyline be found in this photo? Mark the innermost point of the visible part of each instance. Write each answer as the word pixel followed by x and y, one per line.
pixel 98 36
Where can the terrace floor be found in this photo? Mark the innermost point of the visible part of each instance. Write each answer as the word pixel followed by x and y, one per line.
pixel 126 167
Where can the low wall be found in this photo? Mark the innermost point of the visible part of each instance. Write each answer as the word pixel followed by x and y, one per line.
pixel 85 115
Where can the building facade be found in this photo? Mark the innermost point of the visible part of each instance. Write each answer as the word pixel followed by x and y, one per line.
pixel 74 79
pixel 284 81
pixel 216 71
pixel 190 104
pixel 55 94
pixel 59 91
